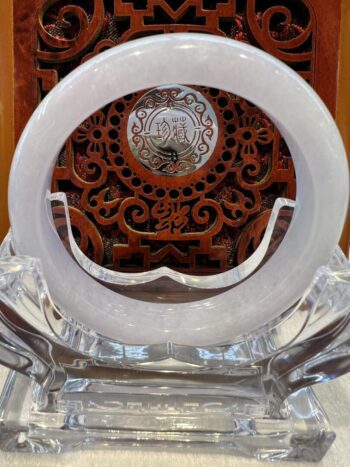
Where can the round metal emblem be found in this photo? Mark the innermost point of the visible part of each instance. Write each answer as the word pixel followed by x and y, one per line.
pixel 172 130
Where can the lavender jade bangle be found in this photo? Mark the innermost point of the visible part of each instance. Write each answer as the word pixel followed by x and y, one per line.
pixel 194 59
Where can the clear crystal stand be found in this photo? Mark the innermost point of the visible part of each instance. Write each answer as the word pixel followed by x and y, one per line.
pixel 72 388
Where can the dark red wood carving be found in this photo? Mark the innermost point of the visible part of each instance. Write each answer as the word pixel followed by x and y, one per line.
pixel 128 218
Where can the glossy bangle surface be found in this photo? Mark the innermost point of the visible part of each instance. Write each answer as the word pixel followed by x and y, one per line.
pixel 193 59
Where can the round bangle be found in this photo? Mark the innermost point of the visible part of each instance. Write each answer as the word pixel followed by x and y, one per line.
pixel 194 59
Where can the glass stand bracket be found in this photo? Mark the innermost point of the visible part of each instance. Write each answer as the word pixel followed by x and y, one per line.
pixel 71 388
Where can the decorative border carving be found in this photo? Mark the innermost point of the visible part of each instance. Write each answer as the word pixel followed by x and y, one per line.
pixel 220 223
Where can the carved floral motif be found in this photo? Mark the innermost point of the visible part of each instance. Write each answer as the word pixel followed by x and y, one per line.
pixel 211 218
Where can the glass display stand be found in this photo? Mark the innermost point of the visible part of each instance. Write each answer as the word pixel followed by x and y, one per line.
pixel 71 388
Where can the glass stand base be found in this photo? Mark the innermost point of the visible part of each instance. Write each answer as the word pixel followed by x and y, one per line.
pixel 88 413
pixel 72 388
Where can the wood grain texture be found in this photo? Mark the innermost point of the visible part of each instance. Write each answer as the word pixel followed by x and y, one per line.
pixel 343 101
pixel 6 107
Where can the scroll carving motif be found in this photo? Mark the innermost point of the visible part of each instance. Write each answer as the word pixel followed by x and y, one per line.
pixel 211 218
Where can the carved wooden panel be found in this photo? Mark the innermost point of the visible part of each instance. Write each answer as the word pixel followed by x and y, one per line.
pixel 133 215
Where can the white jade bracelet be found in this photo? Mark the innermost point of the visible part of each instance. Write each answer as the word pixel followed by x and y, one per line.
pixel 192 59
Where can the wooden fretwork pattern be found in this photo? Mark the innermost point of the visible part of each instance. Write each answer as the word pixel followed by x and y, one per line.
pixel 129 219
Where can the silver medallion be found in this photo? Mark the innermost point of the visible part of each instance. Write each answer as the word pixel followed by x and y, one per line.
pixel 172 130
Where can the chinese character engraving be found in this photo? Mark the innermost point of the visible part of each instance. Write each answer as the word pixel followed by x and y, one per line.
pixel 171 216
pixel 180 130
pixel 163 132
pixel 172 131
